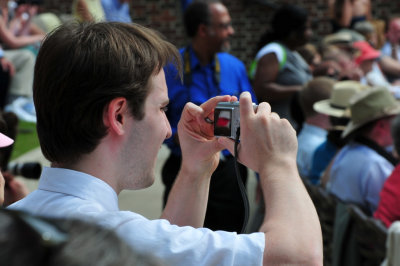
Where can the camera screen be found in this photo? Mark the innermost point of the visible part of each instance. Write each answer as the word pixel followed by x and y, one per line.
pixel 222 122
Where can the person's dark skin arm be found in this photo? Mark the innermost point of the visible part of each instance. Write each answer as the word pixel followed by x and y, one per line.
pixel 347 13
pixel 265 87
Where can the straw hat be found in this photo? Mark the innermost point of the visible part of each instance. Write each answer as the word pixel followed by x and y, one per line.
pixel 337 38
pixel 370 105
pixel 339 101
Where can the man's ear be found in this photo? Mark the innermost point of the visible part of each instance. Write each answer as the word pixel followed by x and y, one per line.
pixel 202 30
pixel 114 116
pixel 382 128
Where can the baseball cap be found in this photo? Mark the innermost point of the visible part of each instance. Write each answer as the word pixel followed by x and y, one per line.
pixel 5 141
pixel 364 52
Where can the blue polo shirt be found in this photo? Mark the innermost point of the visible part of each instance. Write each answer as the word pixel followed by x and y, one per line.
pixel 203 85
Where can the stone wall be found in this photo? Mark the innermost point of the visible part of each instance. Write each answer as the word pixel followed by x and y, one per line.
pixel 250 18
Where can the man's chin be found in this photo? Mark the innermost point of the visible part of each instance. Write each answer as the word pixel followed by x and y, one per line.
pixel 144 183
pixel 148 182
pixel 226 48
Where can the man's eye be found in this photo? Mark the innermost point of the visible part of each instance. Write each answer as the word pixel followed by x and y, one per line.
pixel 164 109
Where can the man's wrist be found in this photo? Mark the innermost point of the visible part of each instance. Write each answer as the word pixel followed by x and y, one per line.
pixel 284 168
pixel 194 171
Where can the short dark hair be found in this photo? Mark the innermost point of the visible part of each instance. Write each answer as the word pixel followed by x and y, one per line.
pixel 197 13
pixel 315 90
pixel 80 68
pixel 286 20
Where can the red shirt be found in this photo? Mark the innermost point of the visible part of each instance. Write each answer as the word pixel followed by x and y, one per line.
pixel 388 210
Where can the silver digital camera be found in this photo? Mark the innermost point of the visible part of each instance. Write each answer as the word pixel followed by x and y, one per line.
pixel 227 119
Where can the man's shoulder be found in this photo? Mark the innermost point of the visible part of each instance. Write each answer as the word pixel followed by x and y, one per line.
pixel 72 207
pixel 223 56
pixel 358 156
pixel 311 135
pixel 232 64
pixel 347 155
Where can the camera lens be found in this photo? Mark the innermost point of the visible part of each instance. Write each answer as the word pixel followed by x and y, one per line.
pixel 31 170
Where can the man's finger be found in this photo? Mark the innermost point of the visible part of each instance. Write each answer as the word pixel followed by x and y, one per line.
pixel 246 105
pixel 227 143
pixel 209 105
pixel 264 108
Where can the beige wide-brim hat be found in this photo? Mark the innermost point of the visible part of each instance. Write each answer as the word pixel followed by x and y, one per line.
pixel 370 105
pixel 337 38
pixel 339 102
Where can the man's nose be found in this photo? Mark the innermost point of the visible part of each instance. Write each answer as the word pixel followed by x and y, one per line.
pixel 231 30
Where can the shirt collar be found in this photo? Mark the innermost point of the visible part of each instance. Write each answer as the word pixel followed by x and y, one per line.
pixel 194 60
pixel 314 129
pixel 79 185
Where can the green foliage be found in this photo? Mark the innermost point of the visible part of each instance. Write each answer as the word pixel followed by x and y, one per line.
pixel 26 139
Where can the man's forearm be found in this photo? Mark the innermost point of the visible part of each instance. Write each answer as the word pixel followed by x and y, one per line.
pixel 273 92
pixel 187 201
pixel 291 225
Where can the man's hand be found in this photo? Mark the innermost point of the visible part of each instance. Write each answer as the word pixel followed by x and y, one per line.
pixel 14 189
pixel 6 65
pixel 266 140
pixel 187 202
pixel 269 146
pixel 200 149
pixel 2 183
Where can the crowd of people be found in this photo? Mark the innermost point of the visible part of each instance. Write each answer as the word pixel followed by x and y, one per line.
pixel 328 114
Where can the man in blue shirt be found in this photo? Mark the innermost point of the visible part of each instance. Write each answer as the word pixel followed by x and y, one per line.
pixel 208 72
pixel 362 166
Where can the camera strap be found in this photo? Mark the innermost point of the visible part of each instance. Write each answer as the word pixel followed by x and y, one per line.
pixel 187 70
pixel 242 188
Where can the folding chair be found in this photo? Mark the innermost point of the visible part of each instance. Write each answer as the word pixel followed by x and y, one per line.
pixel 370 235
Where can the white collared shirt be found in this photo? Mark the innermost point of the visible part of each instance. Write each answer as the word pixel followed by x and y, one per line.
pixel 68 193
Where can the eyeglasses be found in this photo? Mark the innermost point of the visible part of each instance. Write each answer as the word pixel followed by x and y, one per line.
pixel 223 26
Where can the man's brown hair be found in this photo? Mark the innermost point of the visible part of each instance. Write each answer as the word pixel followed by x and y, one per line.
pixel 80 68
